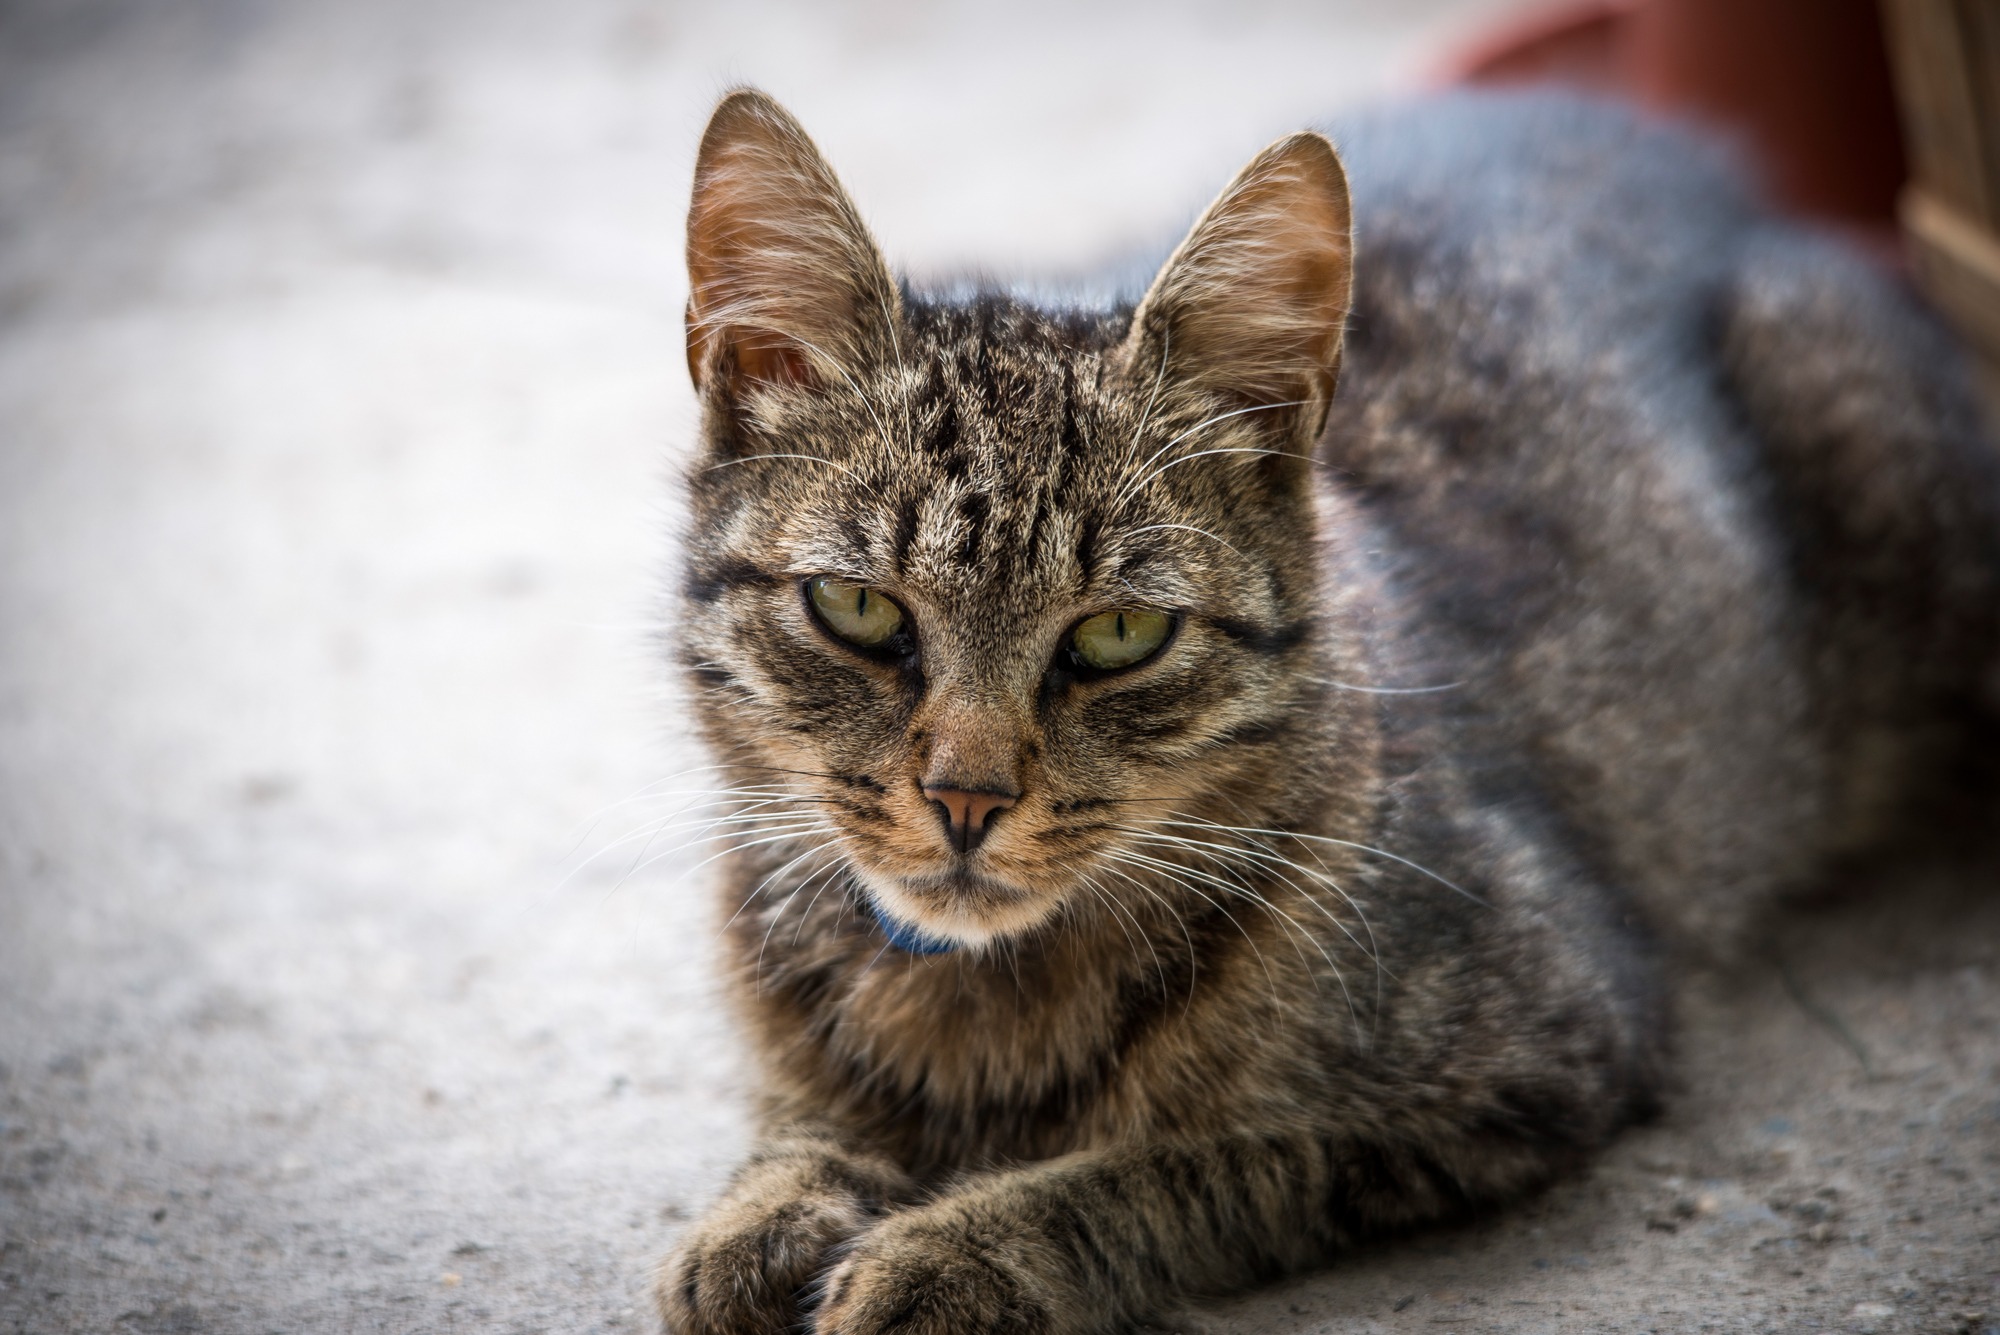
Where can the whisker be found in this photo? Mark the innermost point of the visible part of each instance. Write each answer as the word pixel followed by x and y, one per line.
pixel 1279 862
pixel 792 832
pixel 653 830
pixel 1384 690
pixel 1228 449
pixel 1190 528
pixel 1364 848
pixel 1131 489
pixel 1194 960
pixel 813 458
pixel 834 362
pixel 805 917
pixel 1283 866
pixel 751 897
pixel 1172 873
pixel 1111 901
pixel 758 969
pixel 1245 890
pixel 1159 378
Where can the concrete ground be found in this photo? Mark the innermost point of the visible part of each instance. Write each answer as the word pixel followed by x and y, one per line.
pixel 340 390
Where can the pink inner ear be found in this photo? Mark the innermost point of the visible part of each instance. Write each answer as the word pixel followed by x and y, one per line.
pixel 770 359
pixel 742 356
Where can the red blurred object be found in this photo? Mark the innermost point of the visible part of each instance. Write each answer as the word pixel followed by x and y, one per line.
pixel 1804 84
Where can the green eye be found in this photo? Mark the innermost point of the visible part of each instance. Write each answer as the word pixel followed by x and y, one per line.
pixel 856 613
pixel 1113 640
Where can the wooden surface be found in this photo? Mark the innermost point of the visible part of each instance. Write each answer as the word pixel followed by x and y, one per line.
pixel 1946 58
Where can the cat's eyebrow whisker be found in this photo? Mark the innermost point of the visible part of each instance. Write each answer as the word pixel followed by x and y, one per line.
pixel 1159 378
pixel 813 458
pixel 1207 422
pixel 1221 449
pixel 834 362
pixel 865 403
pixel 1131 488
pixel 1188 528
pixel 903 368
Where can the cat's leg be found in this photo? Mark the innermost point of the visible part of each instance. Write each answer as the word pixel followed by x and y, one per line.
pixel 1093 1241
pixel 741 1268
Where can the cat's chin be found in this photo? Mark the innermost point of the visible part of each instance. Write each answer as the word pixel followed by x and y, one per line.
pixel 959 907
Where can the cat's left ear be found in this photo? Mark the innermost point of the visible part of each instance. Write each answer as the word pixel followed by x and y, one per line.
pixel 785 286
pixel 1253 304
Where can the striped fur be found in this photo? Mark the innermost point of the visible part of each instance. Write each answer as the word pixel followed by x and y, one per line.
pixel 1338 916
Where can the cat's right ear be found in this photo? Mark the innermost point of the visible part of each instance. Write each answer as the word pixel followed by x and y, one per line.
pixel 785 286
pixel 1253 304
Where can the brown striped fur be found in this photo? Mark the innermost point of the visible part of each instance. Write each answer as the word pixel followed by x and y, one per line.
pixel 1278 948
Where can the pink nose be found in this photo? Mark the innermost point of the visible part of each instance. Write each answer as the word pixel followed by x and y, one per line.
pixel 967 814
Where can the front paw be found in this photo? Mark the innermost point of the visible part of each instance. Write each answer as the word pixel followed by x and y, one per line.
pixel 924 1276
pixel 740 1271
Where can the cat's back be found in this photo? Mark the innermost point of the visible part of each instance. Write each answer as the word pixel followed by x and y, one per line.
pixel 1538 412
pixel 1605 212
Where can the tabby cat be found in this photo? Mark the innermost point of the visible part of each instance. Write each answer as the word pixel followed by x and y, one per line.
pixel 1188 822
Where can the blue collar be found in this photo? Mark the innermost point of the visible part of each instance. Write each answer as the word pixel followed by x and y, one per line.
pixel 907 937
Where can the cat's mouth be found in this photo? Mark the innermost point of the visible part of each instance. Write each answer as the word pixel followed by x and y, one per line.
pixel 960 906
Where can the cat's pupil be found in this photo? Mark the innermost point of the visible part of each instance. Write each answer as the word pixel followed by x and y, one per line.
pixel 861 603
pixel 1121 625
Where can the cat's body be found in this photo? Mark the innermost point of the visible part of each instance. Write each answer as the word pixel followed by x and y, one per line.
pixel 1650 543
pixel 1688 497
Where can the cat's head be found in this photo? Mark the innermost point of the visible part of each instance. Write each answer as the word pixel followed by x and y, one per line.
pixel 992 592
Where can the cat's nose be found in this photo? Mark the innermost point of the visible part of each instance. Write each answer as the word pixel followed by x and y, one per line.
pixel 968 812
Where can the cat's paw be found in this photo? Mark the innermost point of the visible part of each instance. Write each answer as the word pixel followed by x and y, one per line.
pixel 922 1276
pixel 741 1271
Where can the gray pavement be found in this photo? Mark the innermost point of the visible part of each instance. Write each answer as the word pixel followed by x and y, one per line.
pixel 340 392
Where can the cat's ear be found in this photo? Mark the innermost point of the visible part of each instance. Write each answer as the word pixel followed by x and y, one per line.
pixel 785 286
pixel 1253 303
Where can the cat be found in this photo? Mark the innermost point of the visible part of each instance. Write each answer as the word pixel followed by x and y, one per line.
pixel 1188 821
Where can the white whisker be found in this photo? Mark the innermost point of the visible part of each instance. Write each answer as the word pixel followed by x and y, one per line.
pixel 1385 690
pixel 1131 488
pixel 1349 843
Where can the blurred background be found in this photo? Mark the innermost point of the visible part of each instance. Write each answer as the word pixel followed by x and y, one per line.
pixel 341 393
